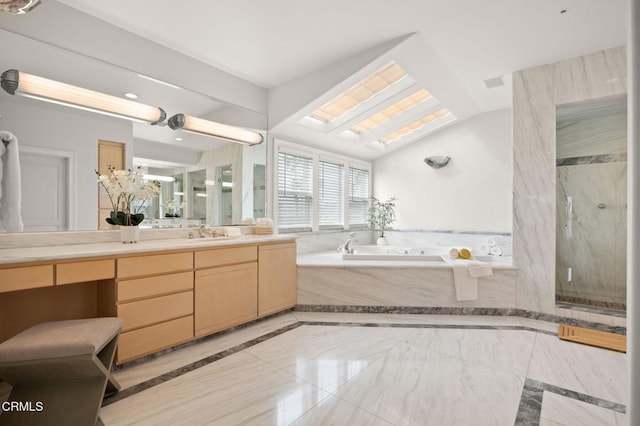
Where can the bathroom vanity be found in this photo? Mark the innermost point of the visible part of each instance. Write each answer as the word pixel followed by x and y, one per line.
pixel 167 292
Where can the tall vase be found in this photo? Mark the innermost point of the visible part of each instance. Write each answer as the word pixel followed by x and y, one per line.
pixel 129 234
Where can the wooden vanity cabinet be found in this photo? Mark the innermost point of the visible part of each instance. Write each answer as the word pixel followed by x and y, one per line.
pixel 277 277
pixel 227 294
pixel 154 298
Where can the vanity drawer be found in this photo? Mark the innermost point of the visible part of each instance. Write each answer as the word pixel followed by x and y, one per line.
pixel 134 344
pixel 90 270
pixel 225 256
pixel 154 264
pixel 139 288
pixel 155 310
pixel 25 277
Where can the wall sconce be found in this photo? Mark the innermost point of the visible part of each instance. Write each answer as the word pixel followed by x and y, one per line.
pixel 437 161
pixel 19 7
pixel 31 86
pixel 213 129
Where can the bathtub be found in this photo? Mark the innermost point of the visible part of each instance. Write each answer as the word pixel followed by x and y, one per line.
pixel 404 253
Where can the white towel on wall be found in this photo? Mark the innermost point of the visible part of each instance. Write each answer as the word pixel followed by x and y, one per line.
pixel 10 186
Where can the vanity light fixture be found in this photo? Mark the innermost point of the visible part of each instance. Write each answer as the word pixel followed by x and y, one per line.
pixel 18 7
pixel 31 86
pixel 203 127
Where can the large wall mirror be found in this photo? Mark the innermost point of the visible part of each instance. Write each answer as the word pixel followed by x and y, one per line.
pixel 204 180
pixel 591 204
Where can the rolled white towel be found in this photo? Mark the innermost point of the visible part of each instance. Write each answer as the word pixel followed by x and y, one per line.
pixel 485 248
pixel 495 241
pixel 454 253
pixel 496 251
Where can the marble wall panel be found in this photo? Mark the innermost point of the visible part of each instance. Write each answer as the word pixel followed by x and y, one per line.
pixel 536 93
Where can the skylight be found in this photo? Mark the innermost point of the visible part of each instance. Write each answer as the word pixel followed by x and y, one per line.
pixel 391 111
pixel 364 90
pixel 397 134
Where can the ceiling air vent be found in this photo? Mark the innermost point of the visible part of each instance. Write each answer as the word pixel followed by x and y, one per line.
pixel 494 82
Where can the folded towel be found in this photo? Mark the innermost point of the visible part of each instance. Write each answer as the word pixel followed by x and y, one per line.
pixel 10 186
pixel 466 285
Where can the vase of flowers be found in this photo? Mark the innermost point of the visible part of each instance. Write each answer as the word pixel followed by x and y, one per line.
pixel 128 193
pixel 173 208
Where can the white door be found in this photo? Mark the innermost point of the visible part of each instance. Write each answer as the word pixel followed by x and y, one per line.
pixel 44 178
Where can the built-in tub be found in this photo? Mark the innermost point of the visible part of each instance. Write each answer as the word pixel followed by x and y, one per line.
pixel 403 253
pixel 397 276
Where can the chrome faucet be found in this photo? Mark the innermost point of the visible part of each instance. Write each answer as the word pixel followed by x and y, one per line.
pixel 204 229
pixel 348 246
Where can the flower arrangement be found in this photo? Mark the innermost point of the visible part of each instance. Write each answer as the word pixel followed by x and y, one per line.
pixel 173 208
pixel 124 188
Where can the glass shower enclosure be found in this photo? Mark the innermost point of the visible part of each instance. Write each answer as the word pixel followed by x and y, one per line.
pixel 591 204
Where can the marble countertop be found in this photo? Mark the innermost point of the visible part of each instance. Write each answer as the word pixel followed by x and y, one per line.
pixel 332 259
pixel 71 251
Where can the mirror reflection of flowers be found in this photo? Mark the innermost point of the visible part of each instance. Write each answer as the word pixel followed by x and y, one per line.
pixel 173 208
pixel 128 193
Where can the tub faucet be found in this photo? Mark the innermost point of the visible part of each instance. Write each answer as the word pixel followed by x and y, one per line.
pixel 348 246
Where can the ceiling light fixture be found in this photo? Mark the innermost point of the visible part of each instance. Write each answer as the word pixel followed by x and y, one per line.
pixel 203 127
pixel 18 7
pixel 364 90
pixel 131 95
pixel 31 86
pixel 394 136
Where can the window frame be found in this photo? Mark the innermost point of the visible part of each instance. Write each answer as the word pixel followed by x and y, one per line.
pixel 318 155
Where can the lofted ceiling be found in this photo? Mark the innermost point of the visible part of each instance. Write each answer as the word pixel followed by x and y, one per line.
pixel 449 48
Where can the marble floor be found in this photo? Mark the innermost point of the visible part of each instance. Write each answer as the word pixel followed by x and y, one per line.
pixel 310 368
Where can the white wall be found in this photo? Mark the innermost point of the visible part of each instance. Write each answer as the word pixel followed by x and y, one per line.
pixel 472 193
pixel 39 124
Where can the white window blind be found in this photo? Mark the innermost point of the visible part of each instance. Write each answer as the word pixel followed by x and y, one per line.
pixel 295 191
pixel 358 196
pixel 330 195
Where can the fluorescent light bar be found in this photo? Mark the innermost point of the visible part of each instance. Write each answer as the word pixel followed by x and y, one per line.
pixel 394 136
pixel 227 184
pixel 391 111
pixel 31 86
pixel 354 96
pixel 201 194
pixel 210 182
pixel 155 80
pixel 159 178
pixel 213 129
pixel 178 193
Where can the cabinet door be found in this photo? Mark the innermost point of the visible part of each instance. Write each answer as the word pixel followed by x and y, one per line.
pixel 225 297
pixel 277 278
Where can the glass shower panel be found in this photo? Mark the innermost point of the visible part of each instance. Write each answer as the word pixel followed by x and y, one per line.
pixel 591 206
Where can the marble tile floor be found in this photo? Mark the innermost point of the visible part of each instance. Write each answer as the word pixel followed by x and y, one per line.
pixel 313 368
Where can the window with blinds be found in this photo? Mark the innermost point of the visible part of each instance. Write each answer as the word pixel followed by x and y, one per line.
pixel 295 192
pixel 330 195
pixel 358 197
